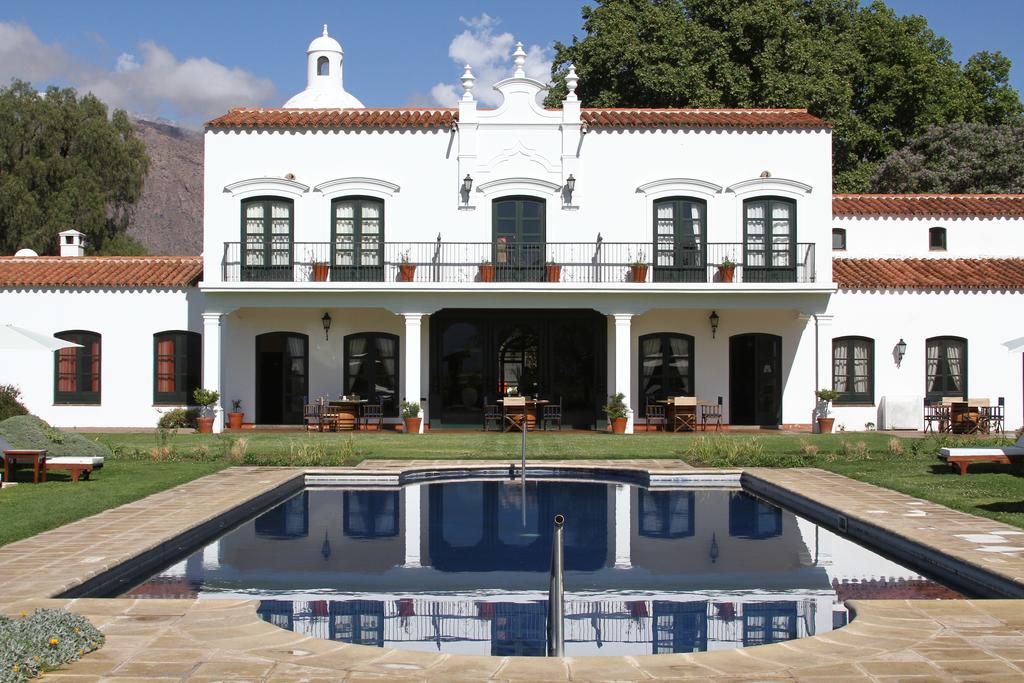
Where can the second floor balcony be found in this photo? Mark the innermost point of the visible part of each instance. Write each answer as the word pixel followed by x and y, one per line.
pixel 569 263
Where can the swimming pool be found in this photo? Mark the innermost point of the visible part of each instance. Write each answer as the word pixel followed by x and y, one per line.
pixel 462 567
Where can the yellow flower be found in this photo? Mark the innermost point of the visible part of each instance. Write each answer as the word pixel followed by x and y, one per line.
pixel 15 668
pixel 54 641
pixel 24 613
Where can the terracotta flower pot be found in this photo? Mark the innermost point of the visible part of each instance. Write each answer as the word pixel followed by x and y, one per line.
pixel 725 273
pixel 205 425
pixel 825 424
pixel 235 420
pixel 320 272
pixel 486 272
pixel 406 272
pixel 638 273
pixel 553 272
pixel 412 425
pixel 619 425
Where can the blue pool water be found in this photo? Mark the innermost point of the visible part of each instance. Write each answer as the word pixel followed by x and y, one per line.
pixel 463 568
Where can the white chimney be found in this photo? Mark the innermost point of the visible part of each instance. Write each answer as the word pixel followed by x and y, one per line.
pixel 72 243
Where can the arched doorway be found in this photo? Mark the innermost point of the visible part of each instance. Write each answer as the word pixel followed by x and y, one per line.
pixel 282 379
pixel 755 379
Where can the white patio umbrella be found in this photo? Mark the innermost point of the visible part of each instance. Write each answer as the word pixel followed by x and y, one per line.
pixel 18 338
pixel 1015 344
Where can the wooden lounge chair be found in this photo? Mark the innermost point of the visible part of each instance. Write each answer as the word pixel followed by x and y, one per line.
pixel 75 466
pixel 960 458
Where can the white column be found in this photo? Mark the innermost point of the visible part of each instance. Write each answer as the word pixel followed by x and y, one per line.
pixel 411 522
pixel 823 353
pixel 211 363
pixel 623 527
pixel 623 367
pixel 413 340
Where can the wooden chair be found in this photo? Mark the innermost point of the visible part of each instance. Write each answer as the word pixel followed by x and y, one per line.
pixel 513 413
pixel 550 413
pixel 311 416
pixel 492 414
pixel 372 413
pixel 937 417
pixel 994 417
pixel 684 413
pixel 654 413
pixel 330 415
pixel 711 413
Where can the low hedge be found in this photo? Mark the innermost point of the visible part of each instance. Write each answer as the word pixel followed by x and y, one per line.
pixel 28 431
pixel 43 641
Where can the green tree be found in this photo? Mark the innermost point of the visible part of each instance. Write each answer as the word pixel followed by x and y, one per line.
pixel 958 157
pixel 880 79
pixel 64 164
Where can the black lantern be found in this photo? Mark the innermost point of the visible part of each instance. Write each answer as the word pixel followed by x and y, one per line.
pixel 326 320
pixel 714 549
pixel 467 183
pixel 570 184
pixel 325 549
pixel 901 350
pixel 713 319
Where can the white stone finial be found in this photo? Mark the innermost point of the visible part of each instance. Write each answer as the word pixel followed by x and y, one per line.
pixel 467 84
pixel 571 79
pixel 325 30
pixel 519 58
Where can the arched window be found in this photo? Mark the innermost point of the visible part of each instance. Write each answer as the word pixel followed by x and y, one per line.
pixel 267 239
pixel 937 239
pixel 357 236
pixel 76 370
pixel 946 367
pixel 323 66
pixel 853 369
pixel 838 239
pixel 371 369
pixel 680 246
pixel 177 358
pixel 666 366
pixel 769 240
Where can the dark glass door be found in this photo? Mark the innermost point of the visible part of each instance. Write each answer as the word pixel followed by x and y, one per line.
pixel 519 235
pixel 680 250
pixel 755 380
pixel 282 382
pixel 358 240
pixel 267 239
pixel 769 250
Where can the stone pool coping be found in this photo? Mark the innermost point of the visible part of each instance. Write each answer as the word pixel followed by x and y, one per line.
pixel 214 639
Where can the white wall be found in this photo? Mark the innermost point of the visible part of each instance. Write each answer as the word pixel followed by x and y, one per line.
pixel 908 237
pixel 127 321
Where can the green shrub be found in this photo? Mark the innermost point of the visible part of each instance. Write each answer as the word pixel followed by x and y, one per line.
pixel 28 431
pixel 10 402
pixel 43 641
pixel 179 417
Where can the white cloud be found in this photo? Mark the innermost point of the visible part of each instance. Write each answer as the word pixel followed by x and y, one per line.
pixel 154 82
pixel 490 55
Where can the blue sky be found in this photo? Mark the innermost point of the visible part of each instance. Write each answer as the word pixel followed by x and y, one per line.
pixel 189 60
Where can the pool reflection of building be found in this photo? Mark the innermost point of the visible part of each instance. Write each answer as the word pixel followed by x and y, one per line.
pixel 691 570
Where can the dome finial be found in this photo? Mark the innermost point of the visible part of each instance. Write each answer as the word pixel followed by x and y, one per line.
pixel 325 30
pixel 519 58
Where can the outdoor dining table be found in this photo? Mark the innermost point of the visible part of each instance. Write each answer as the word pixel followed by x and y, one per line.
pixel 965 418
pixel 337 415
pixel 532 406
pixel 672 410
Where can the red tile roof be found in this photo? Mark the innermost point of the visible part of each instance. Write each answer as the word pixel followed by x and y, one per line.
pixel 446 118
pixel 937 273
pixel 100 271
pixel 928 205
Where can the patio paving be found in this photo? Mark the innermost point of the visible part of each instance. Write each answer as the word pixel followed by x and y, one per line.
pixel 209 640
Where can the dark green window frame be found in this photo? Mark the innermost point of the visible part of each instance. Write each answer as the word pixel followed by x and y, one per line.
pixel 176 370
pixel 663 356
pixel 945 367
pixel 372 370
pixel 680 242
pixel 518 256
pixel 764 258
pixel 267 255
pixel 361 259
pixel 77 372
pixel 845 375
pixel 937 239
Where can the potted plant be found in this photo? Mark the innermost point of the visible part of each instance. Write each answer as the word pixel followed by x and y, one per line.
pixel 726 269
pixel 553 272
pixel 825 397
pixel 205 399
pixel 638 268
pixel 321 270
pixel 486 271
pixel 411 417
pixel 406 270
pixel 617 412
pixel 236 415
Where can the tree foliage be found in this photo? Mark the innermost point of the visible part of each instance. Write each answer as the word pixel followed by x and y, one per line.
pixel 64 164
pixel 958 157
pixel 880 79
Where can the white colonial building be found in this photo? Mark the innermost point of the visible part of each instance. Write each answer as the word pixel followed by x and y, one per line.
pixel 441 256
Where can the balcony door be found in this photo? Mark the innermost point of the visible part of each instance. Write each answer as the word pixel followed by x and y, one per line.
pixel 680 248
pixel 519 236
pixel 357 239
pixel 267 239
pixel 769 236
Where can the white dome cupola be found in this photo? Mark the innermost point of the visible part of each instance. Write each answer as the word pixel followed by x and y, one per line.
pixel 324 89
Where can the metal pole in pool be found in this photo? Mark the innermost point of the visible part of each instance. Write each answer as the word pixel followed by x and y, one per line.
pixel 556 595
pixel 523 487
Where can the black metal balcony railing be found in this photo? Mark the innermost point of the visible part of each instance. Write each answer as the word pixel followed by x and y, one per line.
pixel 466 262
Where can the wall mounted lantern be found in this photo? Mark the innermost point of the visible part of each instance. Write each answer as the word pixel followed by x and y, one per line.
pixel 714 549
pixel 325 549
pixel 713 319
pixel 570 186
pixel 326 320
pixel 467 183
pixel 901 350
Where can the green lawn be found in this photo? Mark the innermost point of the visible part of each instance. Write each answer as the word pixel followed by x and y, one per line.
pixel 146 463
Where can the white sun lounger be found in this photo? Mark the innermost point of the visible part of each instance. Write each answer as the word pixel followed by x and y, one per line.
pixel 960 458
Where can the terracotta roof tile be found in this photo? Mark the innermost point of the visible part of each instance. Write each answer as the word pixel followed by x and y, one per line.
pixel 446 118
pixel 100 271
pixel 928 205
pixel 937 273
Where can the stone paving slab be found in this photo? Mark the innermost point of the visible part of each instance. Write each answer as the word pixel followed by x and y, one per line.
pixel 216 640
